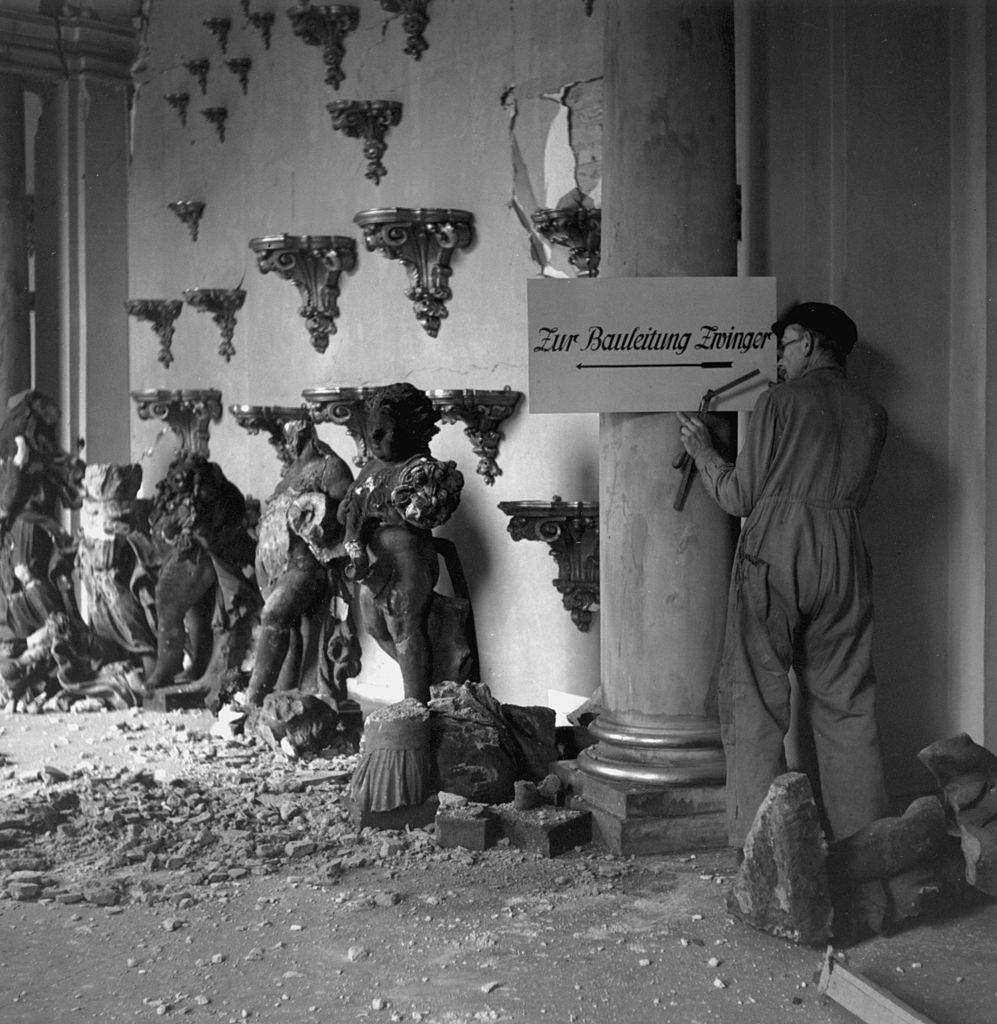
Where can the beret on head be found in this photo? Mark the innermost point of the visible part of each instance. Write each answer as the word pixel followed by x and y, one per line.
pixel 834 323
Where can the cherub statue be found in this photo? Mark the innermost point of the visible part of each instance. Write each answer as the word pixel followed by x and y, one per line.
pixel 400 495
pixel 296 567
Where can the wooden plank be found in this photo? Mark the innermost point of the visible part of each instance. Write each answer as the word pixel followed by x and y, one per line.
pixel 861 997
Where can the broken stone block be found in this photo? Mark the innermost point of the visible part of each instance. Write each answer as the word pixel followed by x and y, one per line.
pixel 474 752
pixel 473 827
pixel 549 831
pixel 525 795
pixel 958 757
pixel 401 818
pixel 782 885
pixel 890 846
pixel 534 729
pixel 24 891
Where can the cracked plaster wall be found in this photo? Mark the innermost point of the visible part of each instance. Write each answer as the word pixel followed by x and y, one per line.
pixel 501 115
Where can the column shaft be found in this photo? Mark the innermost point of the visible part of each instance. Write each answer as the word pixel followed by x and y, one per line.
pixel 669 210
pixel 15 317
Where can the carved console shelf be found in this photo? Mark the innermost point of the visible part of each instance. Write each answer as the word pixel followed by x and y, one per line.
pixel 272 419
pixel 188 413
pixel 325 25
pixel 222 304
pixel 344 406
pixel 571 528
pixel 578 228
pixel 480 411
pixel 314 264
pixel 161 314
pixel 423 241
pixel 368 120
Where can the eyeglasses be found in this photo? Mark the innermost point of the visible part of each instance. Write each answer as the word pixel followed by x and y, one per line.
pixel 781 345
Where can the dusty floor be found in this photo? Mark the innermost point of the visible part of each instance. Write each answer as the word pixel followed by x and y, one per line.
pixel 175 874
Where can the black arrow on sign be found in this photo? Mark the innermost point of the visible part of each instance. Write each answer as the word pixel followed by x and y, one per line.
pixel 641 366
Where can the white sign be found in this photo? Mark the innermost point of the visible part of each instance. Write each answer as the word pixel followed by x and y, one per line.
pixel 649 344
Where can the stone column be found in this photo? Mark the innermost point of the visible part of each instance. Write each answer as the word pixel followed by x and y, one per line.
pixel 15 322
pixel 655 778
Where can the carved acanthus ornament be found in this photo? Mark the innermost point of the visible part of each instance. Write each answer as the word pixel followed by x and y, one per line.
pixel 414 22
pixel 423 241
pixel 199 70
pixel 219 28
pixel 188 413
pixel 577 227
pixel 222 304
pixel 272 419
pixel 368 120
pixel 314 263
pixel 481 412
pixel 190 212
pixel 325 25
pixel 216 116
pixel 571 529
pixel 179 101
pixel 239 66
pixel 161 313
pixel 344 406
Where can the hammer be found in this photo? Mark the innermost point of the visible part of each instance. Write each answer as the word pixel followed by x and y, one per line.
pixel 684 460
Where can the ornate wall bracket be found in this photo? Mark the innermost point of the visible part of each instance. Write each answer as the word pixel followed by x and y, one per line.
pixel 414 22
pixel 222 304
pixel 179 101
pixel 216 116
pixel 190 212
pixel 219 28
pixel 481 412
pixel 423 241
pixel 199 70
pixel 368 120
pixel 577 227
pixel 344 406
pixel 314 263
pixel 188 413
pixel 326 26
pixel 162 314
pixel 572 531
pixel 239 66
pixel 262 21
pixel 271 418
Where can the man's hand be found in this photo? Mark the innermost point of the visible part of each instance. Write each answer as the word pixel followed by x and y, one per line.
pixel 696 437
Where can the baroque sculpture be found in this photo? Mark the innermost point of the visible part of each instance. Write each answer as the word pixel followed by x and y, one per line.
pixel 117 563
pixel 299 563
pixel 399 497
pixel 37 480
pixel 206 597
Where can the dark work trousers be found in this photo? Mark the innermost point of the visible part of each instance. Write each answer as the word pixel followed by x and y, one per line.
pixel 801 599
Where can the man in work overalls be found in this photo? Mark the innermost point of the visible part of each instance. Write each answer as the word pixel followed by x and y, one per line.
pixel 800 592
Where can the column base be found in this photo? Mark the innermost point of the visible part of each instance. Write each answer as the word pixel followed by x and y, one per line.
pixel 654 789
pixel 631 818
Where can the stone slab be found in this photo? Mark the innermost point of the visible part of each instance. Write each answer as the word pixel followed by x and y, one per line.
pixel 549 831
pixel 636 800
pixel 473 832
pixel 655 835
pixel 415 816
